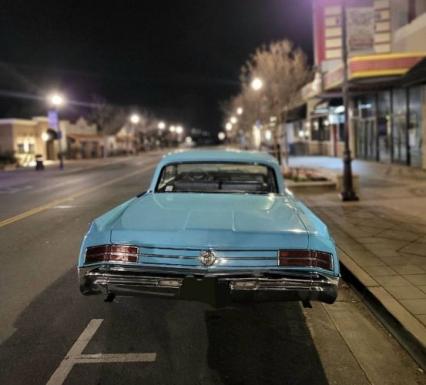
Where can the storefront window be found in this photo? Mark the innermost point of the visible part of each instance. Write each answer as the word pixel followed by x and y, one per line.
pixel 399 123
pixel 384 126
pixel 364 121
pixel 415 132
pixel 320 129
pixel 21 148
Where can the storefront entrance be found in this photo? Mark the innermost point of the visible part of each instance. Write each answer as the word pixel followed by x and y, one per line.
pixel 366 138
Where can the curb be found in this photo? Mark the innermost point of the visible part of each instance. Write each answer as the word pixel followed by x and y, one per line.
pixel 405 328
pixel 380 306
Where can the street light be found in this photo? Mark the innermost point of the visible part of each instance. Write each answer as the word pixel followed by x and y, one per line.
pixel 135 119
pixel 240 111
pixel 179 130
pixel 221 135
pixel 172 129
pixel 233 120
pixel 56 101
pixel 256 84
pixel 161 125
pixel 228 126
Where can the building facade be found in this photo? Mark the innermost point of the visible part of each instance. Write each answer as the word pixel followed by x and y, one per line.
pixel 27 138
pixel 83 140
pixel 386 72
pixel 24 138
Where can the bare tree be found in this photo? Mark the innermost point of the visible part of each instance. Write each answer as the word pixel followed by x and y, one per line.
pixel 108 118
pixel 284 71
pixel 247 101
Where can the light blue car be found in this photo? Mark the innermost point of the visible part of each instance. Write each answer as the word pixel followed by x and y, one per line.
pixel 214 226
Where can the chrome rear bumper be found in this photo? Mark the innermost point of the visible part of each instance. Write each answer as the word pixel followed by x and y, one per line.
pixel 212 287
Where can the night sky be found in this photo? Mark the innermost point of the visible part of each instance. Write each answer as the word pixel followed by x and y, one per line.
pixel 177 58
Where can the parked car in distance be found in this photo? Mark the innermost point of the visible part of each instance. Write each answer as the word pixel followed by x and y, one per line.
pixel 214 226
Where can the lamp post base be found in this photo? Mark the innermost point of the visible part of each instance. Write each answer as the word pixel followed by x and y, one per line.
pixel 349 196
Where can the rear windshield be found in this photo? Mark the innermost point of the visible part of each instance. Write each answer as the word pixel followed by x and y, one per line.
pixel 217 178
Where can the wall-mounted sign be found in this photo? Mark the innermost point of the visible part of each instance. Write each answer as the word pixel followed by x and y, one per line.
pixel 360 29
pixel 52 118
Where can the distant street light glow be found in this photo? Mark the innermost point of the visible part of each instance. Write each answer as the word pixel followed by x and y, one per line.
pixel 221 135
pixel 56 99
pixel 135 119
pixel 256 84
pixel 233 120
pixel 179 130
pixel 161 125
pixel 228 126
pixel 45 136
pixel 240 111
pixel 172 129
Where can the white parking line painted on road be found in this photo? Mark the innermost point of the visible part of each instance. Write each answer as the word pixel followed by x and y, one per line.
pixel 75 356
pixel 105 358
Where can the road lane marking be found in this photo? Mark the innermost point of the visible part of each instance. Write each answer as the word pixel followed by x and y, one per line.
pixel 75 356
pixel 15 189
pixel 114 358
pixel 60 201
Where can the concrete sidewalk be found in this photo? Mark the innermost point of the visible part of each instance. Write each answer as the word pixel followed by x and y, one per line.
pixel 382 238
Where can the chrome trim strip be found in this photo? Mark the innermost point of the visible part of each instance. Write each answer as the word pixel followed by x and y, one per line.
pixel 112 253
pixel 197 257
pixel 192 270
pixel 211 268
pixel 207 248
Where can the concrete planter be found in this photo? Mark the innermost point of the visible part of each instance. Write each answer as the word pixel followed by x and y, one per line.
pixel 311 186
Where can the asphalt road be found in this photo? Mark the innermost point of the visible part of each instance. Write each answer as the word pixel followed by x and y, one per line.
pixel 50 334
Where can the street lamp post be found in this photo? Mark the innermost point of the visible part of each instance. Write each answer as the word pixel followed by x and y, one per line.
pixel 134 120
pixel 179 132
pixel 348 193
pixel 56 101
pixel 256 85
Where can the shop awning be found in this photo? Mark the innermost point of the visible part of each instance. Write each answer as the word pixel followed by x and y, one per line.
pixel 374 69
pixel 296 113
pixel 416 75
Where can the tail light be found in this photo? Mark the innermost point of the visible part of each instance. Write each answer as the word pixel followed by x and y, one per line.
pixel 106 253
pixel 306 258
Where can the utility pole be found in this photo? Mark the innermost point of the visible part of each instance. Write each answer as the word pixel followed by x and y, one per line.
pixel 348 193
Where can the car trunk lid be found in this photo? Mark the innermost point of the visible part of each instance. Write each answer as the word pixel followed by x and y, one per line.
pixel 201 220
